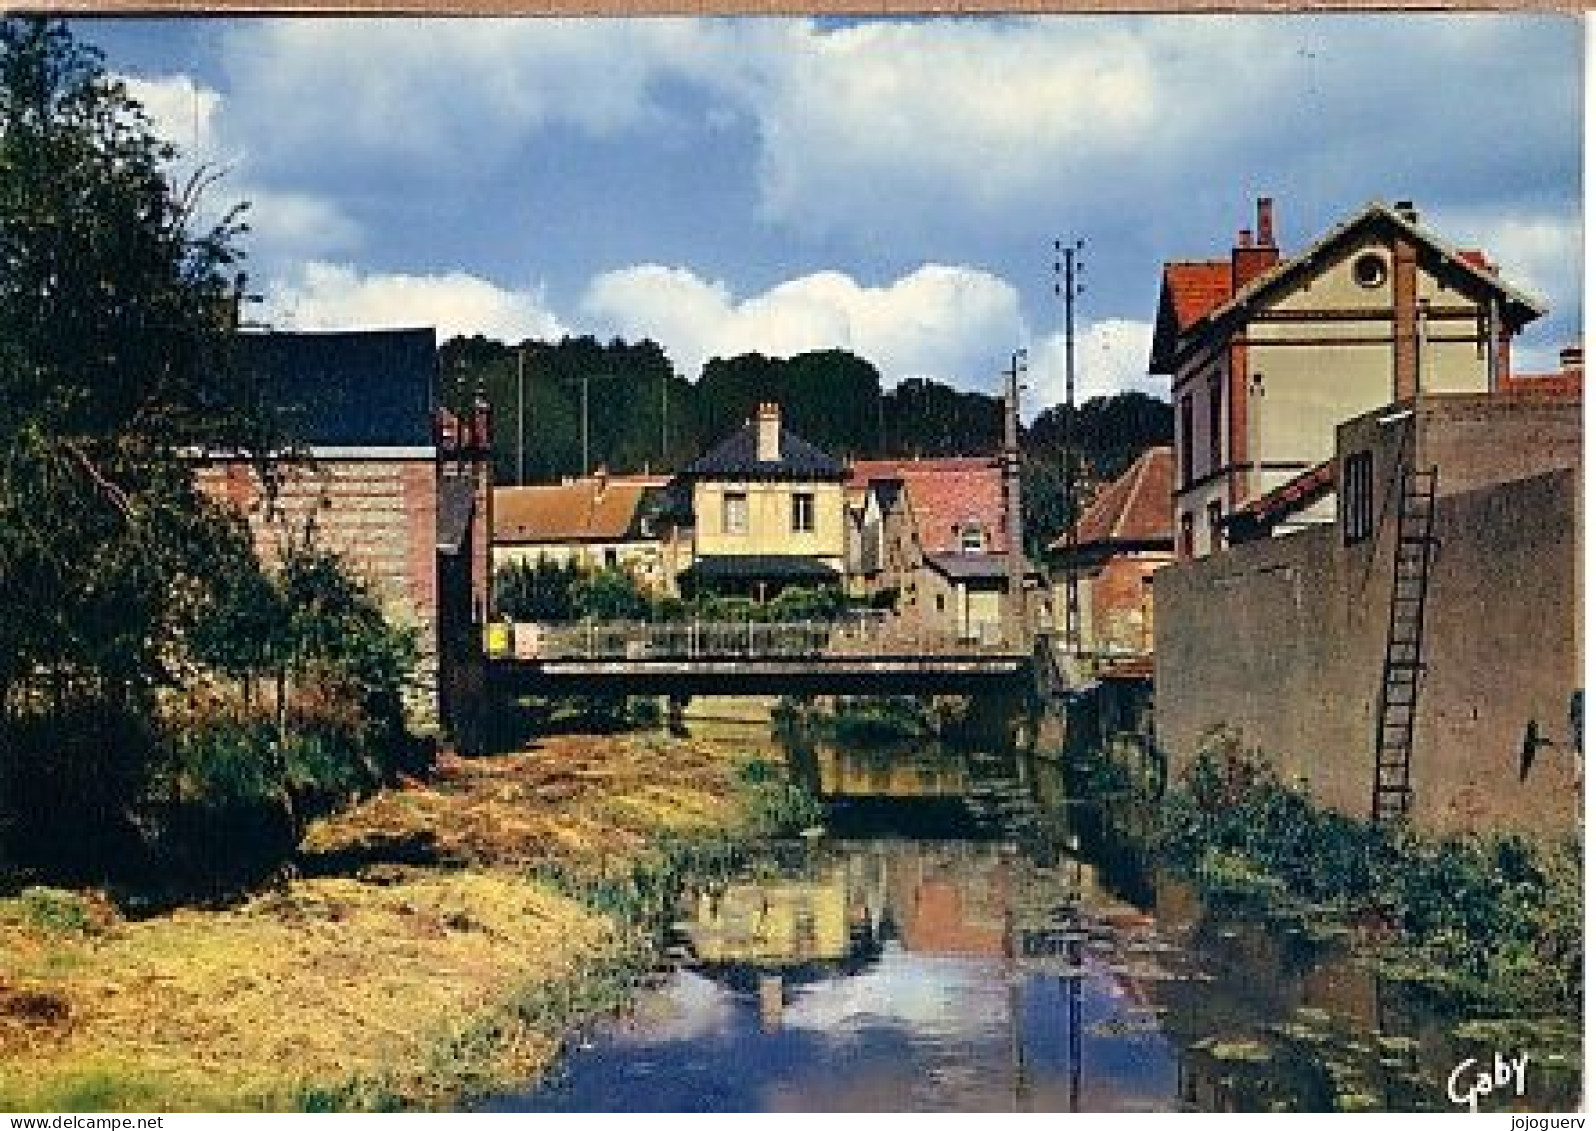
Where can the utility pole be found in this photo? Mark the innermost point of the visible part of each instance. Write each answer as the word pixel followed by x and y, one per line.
pixel 664 419
pixel 1016 633
pixel 583 380
pixel 520 415
pixel 1067 286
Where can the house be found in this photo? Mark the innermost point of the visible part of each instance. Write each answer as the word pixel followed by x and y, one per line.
pixel 595 522
pixel 767 513
pixel 1125 536
pixel 933 536
pixel 368 467
pixel 1391 614
pixel 1268 355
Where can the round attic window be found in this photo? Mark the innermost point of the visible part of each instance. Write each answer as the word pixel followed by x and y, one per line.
pixel 1369 269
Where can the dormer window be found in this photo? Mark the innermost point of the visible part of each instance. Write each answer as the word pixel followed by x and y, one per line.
pixel 971 540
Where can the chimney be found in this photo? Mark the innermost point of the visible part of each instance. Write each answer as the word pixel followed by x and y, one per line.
pixel 767 421
pixel 1266 221
pixel 601 480
pixel 1251 258
pixel 1571 359
pixel 1405 209
pixel 481 425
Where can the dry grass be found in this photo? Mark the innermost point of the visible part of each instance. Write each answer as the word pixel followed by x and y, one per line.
pixel 573 799
pixel 391 984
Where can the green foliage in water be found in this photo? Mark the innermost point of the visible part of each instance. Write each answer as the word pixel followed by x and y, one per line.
pixel 1493 918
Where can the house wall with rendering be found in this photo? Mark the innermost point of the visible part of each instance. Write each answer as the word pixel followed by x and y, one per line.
pixel 769 529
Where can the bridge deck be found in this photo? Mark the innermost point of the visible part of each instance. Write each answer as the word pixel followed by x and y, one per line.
pixel 694 657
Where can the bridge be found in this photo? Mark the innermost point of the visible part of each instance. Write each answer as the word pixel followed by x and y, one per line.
pixel 864 656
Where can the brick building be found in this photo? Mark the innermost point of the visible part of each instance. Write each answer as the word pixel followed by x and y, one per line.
pixel 1124 537
pixel 368 467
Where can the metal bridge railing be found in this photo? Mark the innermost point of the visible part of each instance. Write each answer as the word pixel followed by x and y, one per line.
pixel 732 640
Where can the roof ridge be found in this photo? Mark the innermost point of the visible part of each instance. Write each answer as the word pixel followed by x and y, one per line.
pixel 1140 467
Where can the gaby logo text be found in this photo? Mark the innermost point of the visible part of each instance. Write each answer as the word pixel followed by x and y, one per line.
pixel 1472 1079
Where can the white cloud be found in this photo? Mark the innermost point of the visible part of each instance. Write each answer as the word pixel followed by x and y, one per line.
pixel 181 111
pixel 953 323
pixel 327 296
pixel 1110 357
pixel 1541 252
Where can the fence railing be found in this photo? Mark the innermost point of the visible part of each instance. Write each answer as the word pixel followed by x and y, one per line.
pixel 712 640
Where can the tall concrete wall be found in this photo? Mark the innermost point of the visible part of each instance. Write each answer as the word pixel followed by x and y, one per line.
pixel 1283 640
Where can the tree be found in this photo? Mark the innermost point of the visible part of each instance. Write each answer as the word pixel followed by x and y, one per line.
pixel 115 318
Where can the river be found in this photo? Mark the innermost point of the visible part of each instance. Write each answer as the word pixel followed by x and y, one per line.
pixel 966 938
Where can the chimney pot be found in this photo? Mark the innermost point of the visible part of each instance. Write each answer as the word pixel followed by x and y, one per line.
pixel 1405 209
pixel 1244 238
pixel 1266 221
pixel 768 434
pixel 1571 357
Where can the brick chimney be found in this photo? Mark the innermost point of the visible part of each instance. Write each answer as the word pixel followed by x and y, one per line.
pixel 767 421
pixel 1571 360
pixel 1251 258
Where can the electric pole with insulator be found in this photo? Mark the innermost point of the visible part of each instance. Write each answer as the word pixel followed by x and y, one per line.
pixel 1067 268
pixel 1015 547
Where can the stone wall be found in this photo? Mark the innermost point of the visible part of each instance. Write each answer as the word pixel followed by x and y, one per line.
pixel 1283 640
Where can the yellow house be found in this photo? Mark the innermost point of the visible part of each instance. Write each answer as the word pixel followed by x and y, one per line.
pixel 768 513
pixel 1268 356
pixel 595 522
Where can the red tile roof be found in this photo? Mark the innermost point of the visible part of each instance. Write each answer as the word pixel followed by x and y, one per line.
pixel 945 494
pixel 581 510
pixel 1136 507
pixel 1196 287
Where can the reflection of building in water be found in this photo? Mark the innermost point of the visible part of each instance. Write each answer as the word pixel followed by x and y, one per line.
pixel 776 922
pixel 855 773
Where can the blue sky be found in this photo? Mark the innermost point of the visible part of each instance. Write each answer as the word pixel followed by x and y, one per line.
pixel 891 187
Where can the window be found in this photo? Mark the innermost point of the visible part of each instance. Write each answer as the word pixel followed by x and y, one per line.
pixel 1369 270
pixel 1357 497
pixel 1216 423
pixel 1188 547
pixel 970 540
pixel 803 513
pixel 1216 528
pixel 612 558
pixel 734 513
pixel 1185 441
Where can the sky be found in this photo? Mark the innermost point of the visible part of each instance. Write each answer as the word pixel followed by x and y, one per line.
pixel 891 187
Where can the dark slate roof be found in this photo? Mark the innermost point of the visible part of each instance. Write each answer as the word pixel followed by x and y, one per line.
pixel 974 567
pixel 779 567
pixel 734 458
pixel 356 389
pixel 457 498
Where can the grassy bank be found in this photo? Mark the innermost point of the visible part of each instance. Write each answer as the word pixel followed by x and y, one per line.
pixel 1493 921
pixel 438 942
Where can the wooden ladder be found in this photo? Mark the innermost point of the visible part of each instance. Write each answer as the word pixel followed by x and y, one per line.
pixel 1404 646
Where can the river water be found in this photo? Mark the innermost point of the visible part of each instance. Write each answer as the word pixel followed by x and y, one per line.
pixel 966 938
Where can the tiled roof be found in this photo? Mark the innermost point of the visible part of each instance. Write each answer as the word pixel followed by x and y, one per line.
pixel 946 495
pixel 362 388
pixel 736 457
pixel 1295 494
pixel 1518 308
pixel 975 567
pixel 1134 509
pixel 582 510
pixel 1196 287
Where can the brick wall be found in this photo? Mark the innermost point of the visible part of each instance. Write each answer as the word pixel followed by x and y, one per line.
pixel 381 514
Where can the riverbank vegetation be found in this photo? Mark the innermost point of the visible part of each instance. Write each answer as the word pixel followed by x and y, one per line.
pixel 439 940
pixel 1494 921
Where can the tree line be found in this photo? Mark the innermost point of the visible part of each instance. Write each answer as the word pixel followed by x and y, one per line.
pixel 641 415
pixel 171 705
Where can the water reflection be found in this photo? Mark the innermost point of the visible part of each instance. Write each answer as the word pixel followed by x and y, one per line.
pixel 970 939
